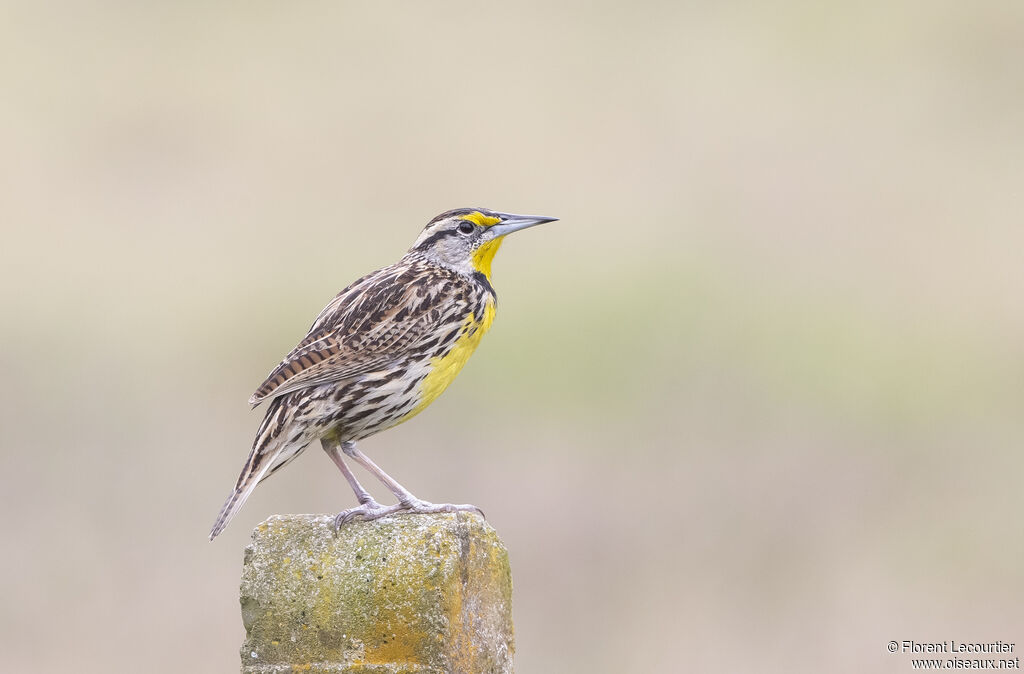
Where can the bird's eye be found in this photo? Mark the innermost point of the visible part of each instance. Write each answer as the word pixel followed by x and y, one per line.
pixel 466 227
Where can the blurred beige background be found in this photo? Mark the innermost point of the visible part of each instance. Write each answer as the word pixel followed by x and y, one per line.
pixel 753 404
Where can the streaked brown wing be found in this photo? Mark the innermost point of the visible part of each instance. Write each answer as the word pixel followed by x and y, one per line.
pixel 373 322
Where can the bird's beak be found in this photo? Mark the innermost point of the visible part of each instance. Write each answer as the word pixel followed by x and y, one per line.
pixel 513 223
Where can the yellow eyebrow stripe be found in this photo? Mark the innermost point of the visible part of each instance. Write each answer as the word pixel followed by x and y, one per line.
pixel 479 218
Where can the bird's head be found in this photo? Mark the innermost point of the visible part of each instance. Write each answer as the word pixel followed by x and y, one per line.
pixel 466 239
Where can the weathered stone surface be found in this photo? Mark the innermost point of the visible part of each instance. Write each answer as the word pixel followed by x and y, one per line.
pixel 407 593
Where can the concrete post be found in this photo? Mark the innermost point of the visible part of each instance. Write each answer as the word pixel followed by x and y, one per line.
pixel 406 593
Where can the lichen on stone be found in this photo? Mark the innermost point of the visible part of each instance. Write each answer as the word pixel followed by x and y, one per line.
pixel 406 593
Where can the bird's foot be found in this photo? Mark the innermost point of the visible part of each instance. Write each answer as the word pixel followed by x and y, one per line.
pixel 369 510
pixel 418 506
pixel 372 510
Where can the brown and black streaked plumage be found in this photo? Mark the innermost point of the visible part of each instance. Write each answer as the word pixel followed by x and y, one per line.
pixel 378 354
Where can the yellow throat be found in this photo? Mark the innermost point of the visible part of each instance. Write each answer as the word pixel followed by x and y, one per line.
pixel 483 256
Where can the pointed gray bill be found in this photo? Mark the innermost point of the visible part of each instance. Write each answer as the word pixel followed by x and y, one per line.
pixel 513 223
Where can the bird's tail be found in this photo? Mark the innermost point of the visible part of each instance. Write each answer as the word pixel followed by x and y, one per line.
pixel 246 483
pixel 262 458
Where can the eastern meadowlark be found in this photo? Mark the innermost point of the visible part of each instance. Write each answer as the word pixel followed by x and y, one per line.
pixel 382 350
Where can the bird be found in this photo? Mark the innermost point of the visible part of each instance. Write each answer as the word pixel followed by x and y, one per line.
pixel 379 353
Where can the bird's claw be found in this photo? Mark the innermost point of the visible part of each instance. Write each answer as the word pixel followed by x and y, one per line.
pixel 370 510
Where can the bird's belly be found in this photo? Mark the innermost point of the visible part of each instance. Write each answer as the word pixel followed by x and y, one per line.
pixel 445 367
pixel 380 400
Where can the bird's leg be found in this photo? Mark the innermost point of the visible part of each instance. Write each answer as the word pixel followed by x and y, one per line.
pixel 404 496
pixel 406 501
pixel 331 447
pixel 366 502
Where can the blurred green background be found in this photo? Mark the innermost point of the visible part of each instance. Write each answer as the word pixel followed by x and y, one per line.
pixel 753 404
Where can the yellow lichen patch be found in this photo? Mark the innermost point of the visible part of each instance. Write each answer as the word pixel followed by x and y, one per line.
pixel 397 648
pixel 402 636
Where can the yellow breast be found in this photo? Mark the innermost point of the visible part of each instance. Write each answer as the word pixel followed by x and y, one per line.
pixel 445 368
